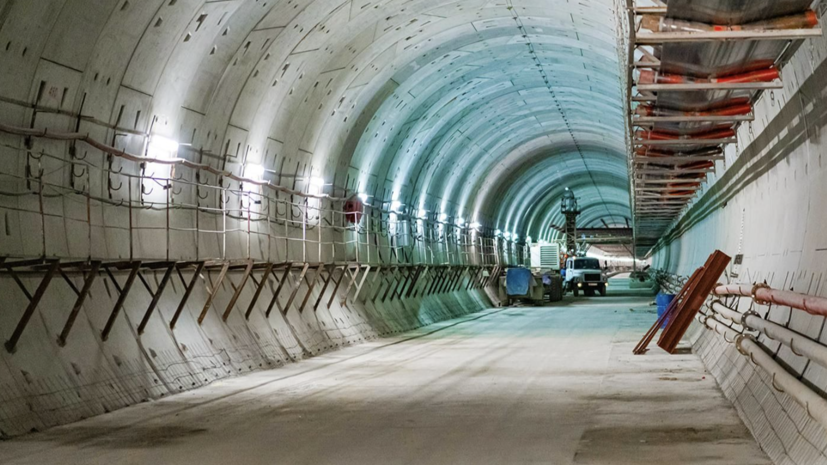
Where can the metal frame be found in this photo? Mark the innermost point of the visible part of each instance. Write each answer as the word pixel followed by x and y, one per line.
pixel 389 282
pixel 657 38
pixel 34 300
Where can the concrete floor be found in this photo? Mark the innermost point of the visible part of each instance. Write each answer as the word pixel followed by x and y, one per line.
pixel 505 386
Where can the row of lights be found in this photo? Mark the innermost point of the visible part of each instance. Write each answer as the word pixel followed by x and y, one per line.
pixel 163 148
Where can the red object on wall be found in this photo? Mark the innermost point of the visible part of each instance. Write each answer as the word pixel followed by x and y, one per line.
pixel 354 209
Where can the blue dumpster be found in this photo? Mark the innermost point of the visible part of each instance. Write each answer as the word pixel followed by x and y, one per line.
pixel 663 300
pixel 517 281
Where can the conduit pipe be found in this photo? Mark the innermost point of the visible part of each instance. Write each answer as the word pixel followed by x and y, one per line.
pixel 783 381
pixel 764 295
pixel 729 334
pixel 799 344
pixel 76 136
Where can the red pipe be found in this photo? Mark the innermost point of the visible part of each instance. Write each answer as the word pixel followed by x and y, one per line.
pixel 697 165
pixel 678 193
pixel 731 108
pixel 648 76
pixel 765 295
pixel 763 75
pixel 660 135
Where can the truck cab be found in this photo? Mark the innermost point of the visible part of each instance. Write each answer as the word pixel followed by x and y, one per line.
pixel 584 275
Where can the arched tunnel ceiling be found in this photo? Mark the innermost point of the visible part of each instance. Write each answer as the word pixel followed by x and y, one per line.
pixel 481 110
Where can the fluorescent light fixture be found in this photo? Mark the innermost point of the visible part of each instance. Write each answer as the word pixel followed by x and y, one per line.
pixel 316 181
pixel 460 221
pixel 507 235
pixel 515 237
pixel 162 147
pixel 396 206
pixel 423 213
pixel 528 239
pixel 475 225
pixel 443 216
pixel 254 172
pixel 498 233
pixel 363 197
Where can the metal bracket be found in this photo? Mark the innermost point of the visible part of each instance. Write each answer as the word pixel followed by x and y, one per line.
pixel 34 300
pixel 156 296
pixel 187 292
pixel 274 299
pixel 213 292
pixel 84 292
pixel 296 287
pixel 247 270
pixel 259 287
pixel 123 292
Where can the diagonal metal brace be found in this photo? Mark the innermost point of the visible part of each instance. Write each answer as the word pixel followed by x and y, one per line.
pixel 11 344
pixel 156 296
pixel 247 270
pixel 259 288
pixel 123 292
pixel 213 292
pixel 187 292
pixel 87 286
pixel 275 298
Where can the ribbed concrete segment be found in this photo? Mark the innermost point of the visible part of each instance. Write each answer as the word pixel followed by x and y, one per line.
pixel 516 385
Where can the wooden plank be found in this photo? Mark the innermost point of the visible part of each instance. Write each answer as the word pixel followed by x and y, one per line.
pixel 694 299
pixel 641 346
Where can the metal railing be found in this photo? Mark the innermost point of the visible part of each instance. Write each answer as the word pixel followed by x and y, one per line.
pixel 176 209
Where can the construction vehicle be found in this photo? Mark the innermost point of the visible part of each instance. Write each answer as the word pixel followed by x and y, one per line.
pixel 585 275
pixel 545 266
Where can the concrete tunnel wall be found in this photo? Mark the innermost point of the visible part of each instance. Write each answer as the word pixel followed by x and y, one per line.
pixel 459 123
pixel 44 384
pixel 768 201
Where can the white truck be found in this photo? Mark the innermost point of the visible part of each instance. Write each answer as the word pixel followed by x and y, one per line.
pixel 584 275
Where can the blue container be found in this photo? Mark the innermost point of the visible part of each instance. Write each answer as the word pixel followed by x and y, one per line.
pixel 663 301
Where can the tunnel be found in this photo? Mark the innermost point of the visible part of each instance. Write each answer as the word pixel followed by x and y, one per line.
pixel 360 232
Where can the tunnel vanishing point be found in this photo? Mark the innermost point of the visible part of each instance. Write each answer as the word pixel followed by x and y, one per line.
pixel 286 231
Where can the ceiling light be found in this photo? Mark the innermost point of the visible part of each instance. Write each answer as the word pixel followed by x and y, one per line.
pixel 162 147
pixel 254 172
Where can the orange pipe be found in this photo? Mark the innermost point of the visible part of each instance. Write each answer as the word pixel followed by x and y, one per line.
pixel 643 134
pixel 732 110
pixel 764 75
pixel 697 165
pixel 678 193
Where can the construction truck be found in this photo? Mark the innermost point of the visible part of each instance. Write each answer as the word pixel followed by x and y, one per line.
pixel 585 275
pixel 537 283
pixel 545 265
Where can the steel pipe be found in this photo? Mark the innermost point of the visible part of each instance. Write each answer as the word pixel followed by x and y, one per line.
pixel 783 381
pixel 798 343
